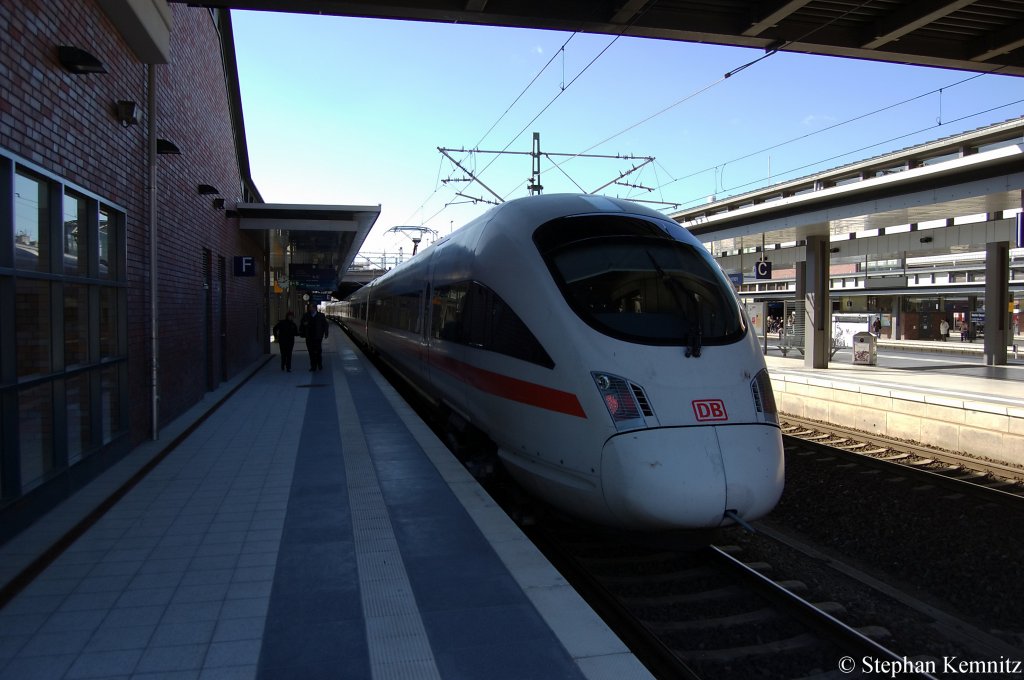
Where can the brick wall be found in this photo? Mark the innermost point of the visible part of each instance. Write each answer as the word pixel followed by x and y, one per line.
pixel 66 124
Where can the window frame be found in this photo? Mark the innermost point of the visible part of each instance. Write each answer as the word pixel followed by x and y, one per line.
pixel 87 369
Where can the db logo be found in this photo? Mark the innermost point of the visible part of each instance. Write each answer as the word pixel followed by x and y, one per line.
pixel 709 409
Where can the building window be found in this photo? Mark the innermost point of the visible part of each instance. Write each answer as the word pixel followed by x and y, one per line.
pixel 110 227
pixel 35 429
pixel 75 230
pixel 108 323
pixel 31 223
pixel 63 288
pixel 76 324
pixel 78 396
pixel 32 327
pixel 111 402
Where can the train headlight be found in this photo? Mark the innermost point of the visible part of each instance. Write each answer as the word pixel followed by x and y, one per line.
pixel 619 397
pixel 764 397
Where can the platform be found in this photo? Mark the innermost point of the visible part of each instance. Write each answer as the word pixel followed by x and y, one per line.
pixel 299 525
pixel 939 394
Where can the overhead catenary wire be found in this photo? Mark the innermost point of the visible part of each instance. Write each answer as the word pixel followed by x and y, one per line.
pixel 563 87
pixel 544 68
pixel 712 84
pixel 770 52
pixel 726 76
pixel 799 138
pixel 437 187
pixel 561 50
pixel 560 92
pixel 853 151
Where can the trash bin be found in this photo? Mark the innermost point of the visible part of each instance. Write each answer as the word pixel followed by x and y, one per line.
pixel 865 349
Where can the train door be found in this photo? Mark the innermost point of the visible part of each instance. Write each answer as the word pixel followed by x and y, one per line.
pixel 424 323
pixel 444 350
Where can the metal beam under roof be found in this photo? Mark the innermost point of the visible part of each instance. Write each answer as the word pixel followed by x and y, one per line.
pixel 970 35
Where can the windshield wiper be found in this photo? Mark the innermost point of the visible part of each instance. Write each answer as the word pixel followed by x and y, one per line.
pixel 674 287
pixel 695 338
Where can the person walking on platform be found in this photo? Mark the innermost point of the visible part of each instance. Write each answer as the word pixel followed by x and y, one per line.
pixel 313 327
pixel 944 330
pixel 284 332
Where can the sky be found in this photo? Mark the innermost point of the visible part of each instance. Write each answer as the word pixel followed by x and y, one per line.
pixel 352 112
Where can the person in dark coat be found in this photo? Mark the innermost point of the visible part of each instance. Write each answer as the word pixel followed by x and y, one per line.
pixel 284 332
pixel 313 327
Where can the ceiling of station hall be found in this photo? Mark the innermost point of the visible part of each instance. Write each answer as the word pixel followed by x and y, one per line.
pixel 971 35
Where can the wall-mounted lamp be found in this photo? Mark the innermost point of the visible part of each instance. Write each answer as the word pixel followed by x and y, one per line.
pixel 78 61
pixel 165 147
pixel 126 112
pixel 218 203
pixel 207 189
pixel 926 239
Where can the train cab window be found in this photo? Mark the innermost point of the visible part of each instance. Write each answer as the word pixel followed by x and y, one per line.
pixel 470 313
pixel 641 283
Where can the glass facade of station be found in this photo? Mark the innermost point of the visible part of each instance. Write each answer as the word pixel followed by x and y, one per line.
pixel 910 297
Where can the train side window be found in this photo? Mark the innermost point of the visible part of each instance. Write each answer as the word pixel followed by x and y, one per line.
pixel 509 335
pixel 408 307
pixel 476 316
pixel 447 318
pixel 400 311
pixel 473 314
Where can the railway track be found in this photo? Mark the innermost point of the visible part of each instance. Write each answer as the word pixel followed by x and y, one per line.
pixel 714 619
pixel 947 465
pixel 938 538
pixel 705 613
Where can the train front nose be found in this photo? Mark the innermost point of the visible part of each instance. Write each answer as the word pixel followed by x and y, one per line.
pixel 689 477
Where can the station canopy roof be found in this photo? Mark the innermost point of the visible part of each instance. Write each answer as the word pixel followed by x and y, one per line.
pixel 971 35
pixel 325 235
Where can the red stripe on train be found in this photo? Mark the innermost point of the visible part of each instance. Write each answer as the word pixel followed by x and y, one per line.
pixel 510 388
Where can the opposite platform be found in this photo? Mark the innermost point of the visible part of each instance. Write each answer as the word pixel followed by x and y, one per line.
pixel 950 402
pixel 311 526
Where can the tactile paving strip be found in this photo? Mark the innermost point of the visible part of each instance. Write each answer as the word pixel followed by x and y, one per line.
pixel 397 639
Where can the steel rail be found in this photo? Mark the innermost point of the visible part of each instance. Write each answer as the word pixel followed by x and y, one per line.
pixel 852 641
pixel 997 469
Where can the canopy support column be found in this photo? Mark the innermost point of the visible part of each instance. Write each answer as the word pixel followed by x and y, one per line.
pixel 997 302
pixel 817 305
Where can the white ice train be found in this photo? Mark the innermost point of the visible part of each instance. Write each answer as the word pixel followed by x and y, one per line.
pixel 603 351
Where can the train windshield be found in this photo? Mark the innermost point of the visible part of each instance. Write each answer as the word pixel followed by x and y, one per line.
pixel 642 285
